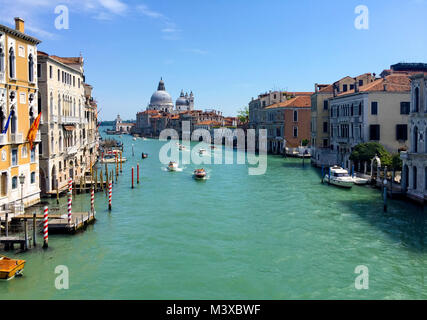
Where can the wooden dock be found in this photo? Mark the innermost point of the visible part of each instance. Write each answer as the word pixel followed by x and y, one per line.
pixel 9 242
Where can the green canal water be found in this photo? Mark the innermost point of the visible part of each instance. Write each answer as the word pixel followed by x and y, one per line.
pixel 282 235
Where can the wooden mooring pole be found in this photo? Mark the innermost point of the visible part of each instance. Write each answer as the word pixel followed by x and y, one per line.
pixel 132 179
pixel 34 230
pixel 137 173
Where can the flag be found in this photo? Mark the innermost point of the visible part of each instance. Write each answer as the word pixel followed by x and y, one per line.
pixel 33 131
pixel 7 124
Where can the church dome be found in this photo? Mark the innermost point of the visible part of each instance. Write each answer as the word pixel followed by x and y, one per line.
pixel 161 97
pixel 182 101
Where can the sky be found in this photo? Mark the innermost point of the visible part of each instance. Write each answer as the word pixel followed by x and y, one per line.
pixel 225 51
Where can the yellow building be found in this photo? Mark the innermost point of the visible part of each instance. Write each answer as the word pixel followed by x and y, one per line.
pixel 19 167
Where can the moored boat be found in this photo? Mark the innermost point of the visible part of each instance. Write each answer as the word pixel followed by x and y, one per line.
pixel 112 159
pixel 9 268
pixel 360 181
pixel 200 174
pixel 339 177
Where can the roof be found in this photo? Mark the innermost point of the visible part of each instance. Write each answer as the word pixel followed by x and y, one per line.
pixel 207 123
pixel 19 34
pixel 391 83
pixel 327 88
pixel 297 102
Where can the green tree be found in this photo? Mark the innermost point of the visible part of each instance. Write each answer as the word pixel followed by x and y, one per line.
pixel 396 162
pixel 243 114
pixel 367 151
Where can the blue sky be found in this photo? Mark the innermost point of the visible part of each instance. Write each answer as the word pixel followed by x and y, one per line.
pixel 226 51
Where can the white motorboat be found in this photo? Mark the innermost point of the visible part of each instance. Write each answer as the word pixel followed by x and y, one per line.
pixel 173 166
pixel 360 181
pixel 339 177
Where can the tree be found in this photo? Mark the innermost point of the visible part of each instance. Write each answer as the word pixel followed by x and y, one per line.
pixel 367 151
pixel 396 162
pixel 243 114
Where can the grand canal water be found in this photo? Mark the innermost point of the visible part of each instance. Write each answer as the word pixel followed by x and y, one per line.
pixel 282 235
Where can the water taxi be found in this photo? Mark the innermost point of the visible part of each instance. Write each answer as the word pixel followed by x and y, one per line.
pixel 173 166
pixel 200 174
pixel 339 177
pixel 9 268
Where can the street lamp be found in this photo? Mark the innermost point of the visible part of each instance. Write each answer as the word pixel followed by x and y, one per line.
pixel 22 181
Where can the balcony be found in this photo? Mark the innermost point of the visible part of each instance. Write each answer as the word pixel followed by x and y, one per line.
pixel 16 138
pixel 72 150
pixel 3 139
pixel 66 119
pixel 54 119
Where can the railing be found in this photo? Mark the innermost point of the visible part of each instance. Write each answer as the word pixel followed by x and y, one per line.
pixel 72 150
pixel 3 139
pixel 16 138
pixel 54 118
pixel 66 119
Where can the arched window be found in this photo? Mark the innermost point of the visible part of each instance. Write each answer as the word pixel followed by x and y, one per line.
pixel 51 103
pixel 417 100
pixel 74 108
pixel 59 105
pixel 52 144
pixel 425 178
pixel 415 173
pixel 2 120
pixel 30 68
pixel 13 121
pixel 60 143
pixel 415 140
pixel 12 63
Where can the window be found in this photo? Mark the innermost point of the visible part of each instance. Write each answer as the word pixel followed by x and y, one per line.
pixel 295 116
pixel 13 122
pixel 24 153
pixel 402 132
pixel 360 109
pixel 12 63
pixel 360 83
pixel 417 100
pixel 325 143
pixel 59 75
pixel 325 105
pixel 275 96
pixel 374 132
pixel 325 127
pixel 33 177
pixel 39 70
pixel 30 68
pixel 14 183
pixel 33 155
pixel 1 60
pixel 3 184
pixel 295 132
pixel 404 107
pixel 351 86
pixel 74 81
pixel 415 174
pixel 344 88
pixel 14 157
pixel 374 108
pixel 50 72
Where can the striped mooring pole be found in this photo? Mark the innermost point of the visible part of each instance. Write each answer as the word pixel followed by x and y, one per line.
pixel 70 200
pixel 46 227
pixel 132 179
pixel 70 186
pixel 110 194
pixel 92 200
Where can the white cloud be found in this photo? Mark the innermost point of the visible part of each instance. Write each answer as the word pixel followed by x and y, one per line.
pixel 114 6
pixel 142 8
pixel 196 51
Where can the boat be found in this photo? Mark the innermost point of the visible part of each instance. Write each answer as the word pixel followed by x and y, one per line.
pixel 144 156
pixel 9 268
pixel 182 148
pixel 339 177
pixel 202 152
pixel 200 174
pixel 213 147
pixel 112 159
pixel 173 166
pixel 134 138
pixel 360 181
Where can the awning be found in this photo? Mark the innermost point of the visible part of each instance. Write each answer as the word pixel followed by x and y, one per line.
pixel 69 128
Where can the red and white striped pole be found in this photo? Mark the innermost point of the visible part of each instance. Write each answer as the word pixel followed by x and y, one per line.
pixel 46 227
pixel 92 200
pixel 110 194
pixel 70 186
pixel 132 179
pixel 70 200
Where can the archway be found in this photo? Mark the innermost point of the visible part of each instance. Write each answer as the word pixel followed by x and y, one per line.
pixel 54 184
pixel 42 181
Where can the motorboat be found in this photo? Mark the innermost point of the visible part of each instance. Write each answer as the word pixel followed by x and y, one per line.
pixel 182 148
pixel 111 158
pixel 134 138
pixel 200 174
pixel 9 268
pixel 144 156
pixel 339 177
pixel 213 148
pixel 202 152
pixel 173 166
pixel 360 181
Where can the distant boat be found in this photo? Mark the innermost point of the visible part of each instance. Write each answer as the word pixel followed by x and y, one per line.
pixel 9 268
pixel 111 158
pixel 202 152
pixel 339 177
pixel 173 166
pixel 199 174
pixel 144 156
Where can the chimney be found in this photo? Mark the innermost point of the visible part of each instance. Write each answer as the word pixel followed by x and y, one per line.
pixel 356 85
pixel 19 25
pixel 316 88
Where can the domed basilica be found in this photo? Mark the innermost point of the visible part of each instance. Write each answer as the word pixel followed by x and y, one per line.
pixel 161 100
